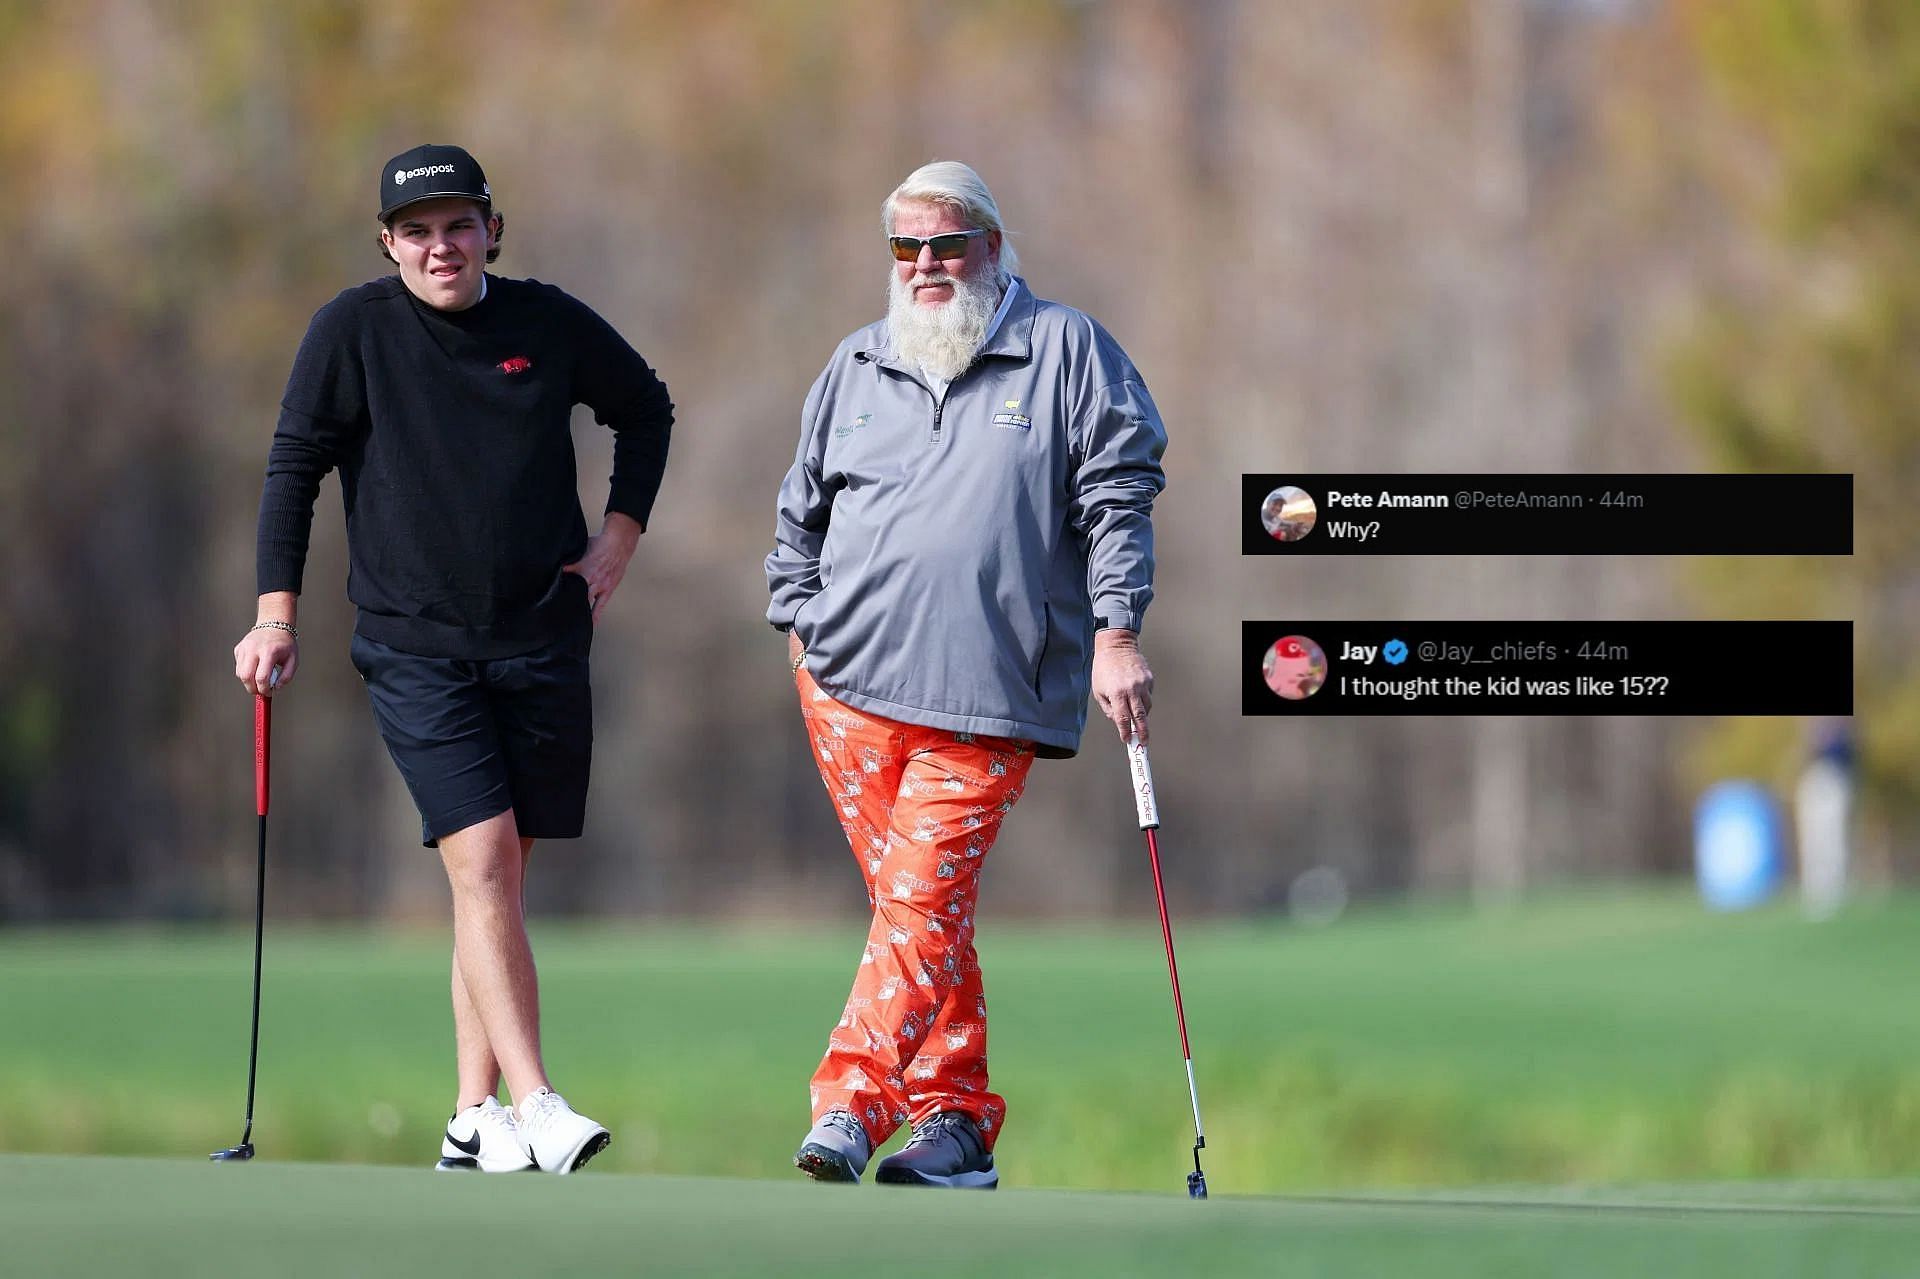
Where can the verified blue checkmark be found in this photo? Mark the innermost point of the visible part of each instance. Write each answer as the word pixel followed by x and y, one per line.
pixel 1395 652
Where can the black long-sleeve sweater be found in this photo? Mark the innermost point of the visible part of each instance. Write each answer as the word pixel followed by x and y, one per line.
pixel 451 432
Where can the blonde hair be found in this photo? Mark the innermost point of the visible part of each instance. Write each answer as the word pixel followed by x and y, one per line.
pixel 955 186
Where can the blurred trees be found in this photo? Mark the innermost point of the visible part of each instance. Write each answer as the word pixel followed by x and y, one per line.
pixel 1809 357
pixel 1285 220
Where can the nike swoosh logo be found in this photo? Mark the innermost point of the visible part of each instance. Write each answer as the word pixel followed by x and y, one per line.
pixel 470 1146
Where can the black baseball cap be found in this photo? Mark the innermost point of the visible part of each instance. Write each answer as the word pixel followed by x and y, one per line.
pixel 428 172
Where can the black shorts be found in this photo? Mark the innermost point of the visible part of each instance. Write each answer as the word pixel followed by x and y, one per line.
pixel 476 738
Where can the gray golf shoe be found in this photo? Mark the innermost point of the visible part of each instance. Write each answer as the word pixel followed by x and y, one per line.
pixel 946 1150
pixel 836 1148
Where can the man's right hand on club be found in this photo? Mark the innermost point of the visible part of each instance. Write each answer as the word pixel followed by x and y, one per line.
pixel 1122 683
pixel 267 647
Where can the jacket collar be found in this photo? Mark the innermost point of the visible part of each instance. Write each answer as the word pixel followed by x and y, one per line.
pixel 1013 340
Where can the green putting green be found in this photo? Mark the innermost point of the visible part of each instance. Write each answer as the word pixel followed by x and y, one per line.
pixel 1586 1041
pixel 64 1215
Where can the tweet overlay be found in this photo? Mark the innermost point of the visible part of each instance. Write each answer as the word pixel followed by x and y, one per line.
pixel 1546 514
pixel 1546 668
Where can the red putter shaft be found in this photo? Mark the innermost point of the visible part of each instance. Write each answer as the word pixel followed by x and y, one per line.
pixel 1149 815
pixel 262 770
pixel 1166 935
pixel 262 737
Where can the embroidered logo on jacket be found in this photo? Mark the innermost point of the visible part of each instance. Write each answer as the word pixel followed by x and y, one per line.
pixel 1013 421
pixel 517 364
pixel 845 429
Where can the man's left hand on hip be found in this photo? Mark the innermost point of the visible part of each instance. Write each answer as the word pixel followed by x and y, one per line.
pixel 604 562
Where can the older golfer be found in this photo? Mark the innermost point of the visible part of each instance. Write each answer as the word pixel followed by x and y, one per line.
pixel 443 395
pixel 963 548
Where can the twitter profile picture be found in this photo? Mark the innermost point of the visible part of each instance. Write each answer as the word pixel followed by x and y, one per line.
pixel 1288 513
pixel 1295 667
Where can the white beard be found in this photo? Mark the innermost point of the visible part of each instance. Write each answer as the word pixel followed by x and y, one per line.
pixel 943 340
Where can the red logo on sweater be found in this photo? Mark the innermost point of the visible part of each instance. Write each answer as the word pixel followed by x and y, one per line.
pixel 518 364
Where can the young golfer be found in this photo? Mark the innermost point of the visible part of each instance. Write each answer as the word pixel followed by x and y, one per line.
pixel 443 394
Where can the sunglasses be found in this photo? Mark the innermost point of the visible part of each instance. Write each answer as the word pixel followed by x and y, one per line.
pixel 946 247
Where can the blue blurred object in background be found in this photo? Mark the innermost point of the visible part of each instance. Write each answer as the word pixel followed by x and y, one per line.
pixel 1736 845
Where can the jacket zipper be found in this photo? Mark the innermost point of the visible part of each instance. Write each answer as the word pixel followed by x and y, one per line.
pixel 939 407
pixel 1046 642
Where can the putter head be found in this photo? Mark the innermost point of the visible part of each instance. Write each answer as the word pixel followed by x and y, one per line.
pixel 241 1152
pixel 1196 1184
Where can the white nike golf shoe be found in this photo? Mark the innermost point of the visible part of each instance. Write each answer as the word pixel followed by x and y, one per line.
pixel 483 1138
pixel 558 1139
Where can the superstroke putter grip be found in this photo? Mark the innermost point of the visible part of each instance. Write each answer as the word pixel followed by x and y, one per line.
pixel 1143 804
pixel 262 732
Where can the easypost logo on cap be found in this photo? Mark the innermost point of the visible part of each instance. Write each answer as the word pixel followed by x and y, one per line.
pixel 402 176
pixel 428 171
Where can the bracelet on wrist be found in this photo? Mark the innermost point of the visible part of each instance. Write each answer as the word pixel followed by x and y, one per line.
pixel 288 627
pixel 795 668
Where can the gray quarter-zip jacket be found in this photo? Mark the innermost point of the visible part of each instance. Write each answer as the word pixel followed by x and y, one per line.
pixel 946 559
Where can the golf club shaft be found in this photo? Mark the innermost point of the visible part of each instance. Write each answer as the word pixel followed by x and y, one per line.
pixel 259 928
pixel 1148 813
pixel 1173 972
pixel 262 770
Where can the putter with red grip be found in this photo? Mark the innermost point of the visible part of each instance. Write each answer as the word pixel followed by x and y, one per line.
pixel 1149 815
pixel 262 733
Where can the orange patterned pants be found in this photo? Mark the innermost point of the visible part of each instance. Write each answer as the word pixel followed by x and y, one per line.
pixel 921 807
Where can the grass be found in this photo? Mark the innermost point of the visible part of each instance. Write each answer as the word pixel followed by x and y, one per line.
pixel 1582 1043
pixel 81 1216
